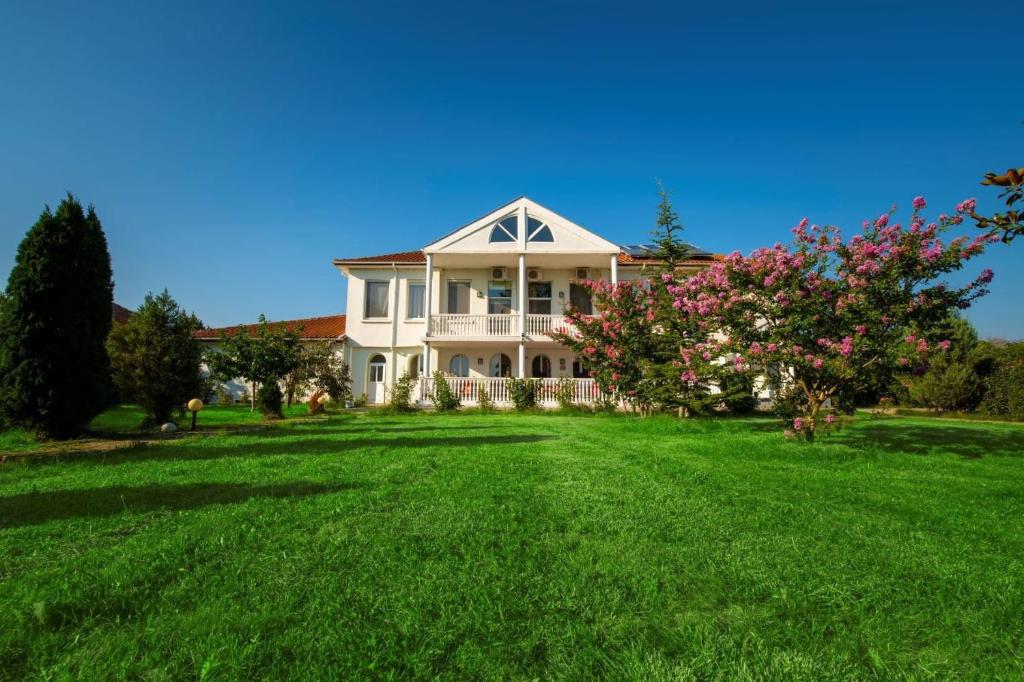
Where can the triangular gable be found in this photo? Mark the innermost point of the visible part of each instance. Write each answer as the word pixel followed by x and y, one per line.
pixel 568 237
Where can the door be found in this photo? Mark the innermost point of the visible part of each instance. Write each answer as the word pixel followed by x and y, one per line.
pixel 458 297
pixel 375 379
pixel 580 299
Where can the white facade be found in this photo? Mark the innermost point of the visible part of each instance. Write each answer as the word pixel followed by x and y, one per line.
pixel 476 303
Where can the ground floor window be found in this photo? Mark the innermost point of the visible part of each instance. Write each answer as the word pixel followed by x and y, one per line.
pixel 501 366
pixel 459 366
pixel 580 370
pixel 542 367
pixel 416 366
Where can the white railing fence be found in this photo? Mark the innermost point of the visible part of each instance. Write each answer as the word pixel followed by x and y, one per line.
pixel 541 325
pixel 586 391
pixel 474 325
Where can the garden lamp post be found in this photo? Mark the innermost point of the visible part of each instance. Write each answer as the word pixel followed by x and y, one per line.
pixel 194 406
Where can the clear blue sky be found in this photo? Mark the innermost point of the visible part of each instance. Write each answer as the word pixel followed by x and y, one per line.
pixel 233 150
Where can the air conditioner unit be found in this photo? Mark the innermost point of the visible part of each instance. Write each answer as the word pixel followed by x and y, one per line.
pixel 582 273
pixel 499 273
pixel 534 275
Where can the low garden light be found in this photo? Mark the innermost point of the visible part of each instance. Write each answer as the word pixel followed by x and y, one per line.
pixel 194 406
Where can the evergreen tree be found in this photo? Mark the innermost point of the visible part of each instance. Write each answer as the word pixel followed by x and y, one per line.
pixel 155 359
pixel 668 231
pixel 54 368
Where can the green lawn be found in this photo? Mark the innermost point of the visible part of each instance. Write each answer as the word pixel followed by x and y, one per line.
pixel 507 546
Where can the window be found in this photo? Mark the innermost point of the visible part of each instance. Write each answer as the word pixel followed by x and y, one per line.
pixel 377 299
pixel 414 310
pixel 542 367
pixel 501 366
pixel 459 366
pixel 580 299
pixel 505 231
pixel 540 298
pixel 580 369
pixel 499 298
pixel 538 232
pixel 377 364
pixel 458 298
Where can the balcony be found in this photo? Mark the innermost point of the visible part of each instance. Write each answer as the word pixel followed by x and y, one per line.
pixel 494 326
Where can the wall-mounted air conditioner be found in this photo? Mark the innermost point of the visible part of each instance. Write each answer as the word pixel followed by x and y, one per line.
pixel 534 275
pixel 499 273
pixel 582 273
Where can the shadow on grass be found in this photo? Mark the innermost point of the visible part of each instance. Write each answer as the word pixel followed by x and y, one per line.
pixel 297 445
pixel 965 441
pixel 39 507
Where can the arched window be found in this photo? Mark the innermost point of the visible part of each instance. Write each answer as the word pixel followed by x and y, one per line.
pixel 506 230
pixel 541 367
pixel 459 366
pixel 416 366
pixel 377 364
pixel 538 232
pixel 501 366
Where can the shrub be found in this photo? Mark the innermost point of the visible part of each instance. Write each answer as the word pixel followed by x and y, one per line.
pixel 484 398
pixel 360 401
pixel 445 399
pixel 221 395
pixel 401 394
pixel 270 400
pixel 523 393
pixel 1004 383
pixel 314 403
pixel 565 393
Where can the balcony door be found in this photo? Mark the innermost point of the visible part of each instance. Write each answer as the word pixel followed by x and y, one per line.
pixel 458 297
pixel 580 299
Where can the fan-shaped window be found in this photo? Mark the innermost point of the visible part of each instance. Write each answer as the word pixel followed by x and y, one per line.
pixel 459 366
pixel 505 231
pixel 538 232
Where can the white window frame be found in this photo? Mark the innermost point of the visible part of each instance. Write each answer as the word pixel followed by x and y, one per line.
pixel 366 301
pixel 408 298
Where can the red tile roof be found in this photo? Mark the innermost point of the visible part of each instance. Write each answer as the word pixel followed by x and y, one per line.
pixel 329 327
pixel 626 259
pixel 388 258
pixel 120 313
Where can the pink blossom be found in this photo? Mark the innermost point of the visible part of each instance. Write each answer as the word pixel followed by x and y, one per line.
pixel 903 362
pixel 919 203
pixel 798 424
pixel 818 363
pixel 986 276
pixel 945 344
pixel 830 418
pixel 861 329
pixel 966 206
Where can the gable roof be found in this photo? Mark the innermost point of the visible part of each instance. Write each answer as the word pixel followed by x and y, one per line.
pixel 628 255
pixel 310 328
pixel 590 242
pixel 120 313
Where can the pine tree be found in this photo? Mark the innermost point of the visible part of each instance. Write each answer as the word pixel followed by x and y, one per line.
pixel 666 235
pixel 154 358
pixel 54 368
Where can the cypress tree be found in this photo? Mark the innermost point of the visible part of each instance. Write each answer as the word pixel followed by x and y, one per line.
pixel 54 368
pixel 670 249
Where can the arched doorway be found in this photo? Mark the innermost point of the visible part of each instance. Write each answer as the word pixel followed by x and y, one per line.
pixel 375 379
pixel 541 367
pixel 459 366
pixel 501 366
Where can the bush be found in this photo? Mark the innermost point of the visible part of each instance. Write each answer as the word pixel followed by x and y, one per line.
pixel 360 401
pixel 445 399
pixel 484 398
pixel 565 393
pixel 270 400
pixel 1004 382
pixel 401 394
pixel 523 393
pixel 221 395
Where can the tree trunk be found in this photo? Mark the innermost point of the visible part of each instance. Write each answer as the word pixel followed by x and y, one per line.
pixel 252 398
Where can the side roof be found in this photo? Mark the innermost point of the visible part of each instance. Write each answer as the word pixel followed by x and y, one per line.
pixel 330 327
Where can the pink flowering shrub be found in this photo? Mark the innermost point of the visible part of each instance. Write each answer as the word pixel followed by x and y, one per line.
pixel 826 313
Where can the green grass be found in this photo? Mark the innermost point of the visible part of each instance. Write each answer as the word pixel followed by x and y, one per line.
pixel 507 546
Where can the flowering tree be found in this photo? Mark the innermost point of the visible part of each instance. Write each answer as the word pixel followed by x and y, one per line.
pixel 826 313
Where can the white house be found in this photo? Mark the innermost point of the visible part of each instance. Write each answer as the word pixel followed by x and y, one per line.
pixel 479 302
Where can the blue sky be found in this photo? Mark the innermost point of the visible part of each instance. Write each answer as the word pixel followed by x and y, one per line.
pixel 233 150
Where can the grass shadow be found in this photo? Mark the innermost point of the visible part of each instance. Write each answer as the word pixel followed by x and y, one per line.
pixel 39 507
pixel 965 441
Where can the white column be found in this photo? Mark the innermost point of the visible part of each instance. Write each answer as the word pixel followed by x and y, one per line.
pixel 426 358
pixel 428 291
pixel 522 293
pixel 615 269
pixel 394 325
pixel 522 360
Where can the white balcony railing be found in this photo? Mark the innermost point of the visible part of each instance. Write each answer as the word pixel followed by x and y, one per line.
pixel 474 325
pixel 585 391
pixel 495 325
